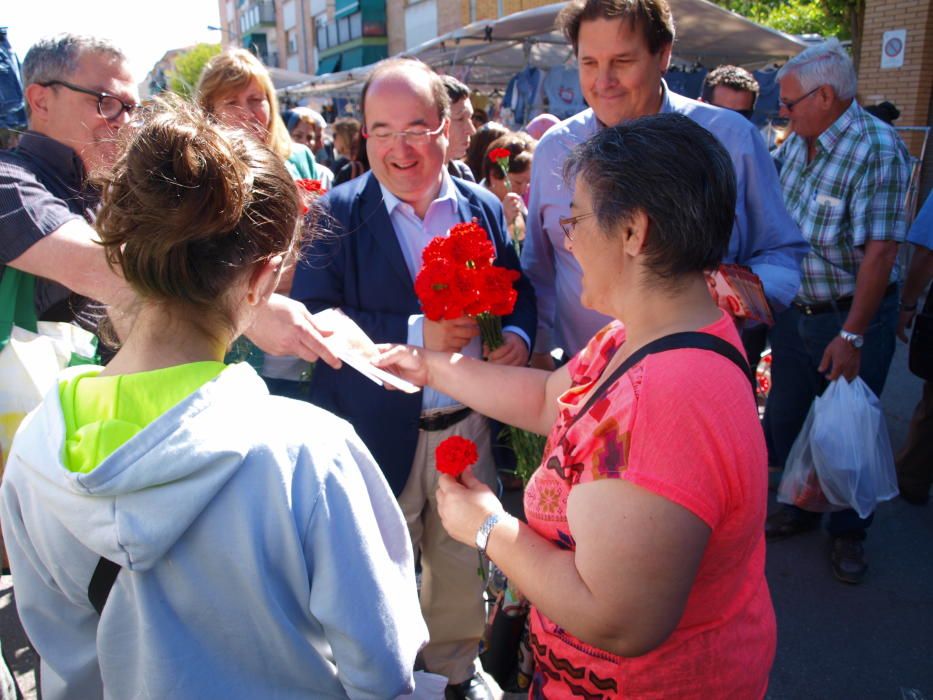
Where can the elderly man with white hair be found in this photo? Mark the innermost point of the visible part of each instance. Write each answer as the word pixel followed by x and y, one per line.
pixel 845 176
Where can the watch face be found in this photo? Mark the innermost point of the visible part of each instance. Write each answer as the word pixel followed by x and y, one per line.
pixel 853 339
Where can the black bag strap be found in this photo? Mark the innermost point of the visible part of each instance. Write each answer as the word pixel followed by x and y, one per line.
pixel 102 580
pixel 674 341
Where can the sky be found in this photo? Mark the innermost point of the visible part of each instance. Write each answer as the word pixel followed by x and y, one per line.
pixel 143 30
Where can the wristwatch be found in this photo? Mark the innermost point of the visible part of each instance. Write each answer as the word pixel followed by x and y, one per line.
pixel 482 535
pixel 853 339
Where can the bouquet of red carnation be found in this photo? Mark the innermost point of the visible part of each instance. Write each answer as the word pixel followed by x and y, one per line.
pixel 458 279
pixel 455 454
pixel 309 190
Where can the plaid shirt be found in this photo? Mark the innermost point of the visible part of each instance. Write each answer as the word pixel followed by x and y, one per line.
pixel 853 191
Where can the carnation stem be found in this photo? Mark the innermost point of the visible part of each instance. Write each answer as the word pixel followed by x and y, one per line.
pixel 490 328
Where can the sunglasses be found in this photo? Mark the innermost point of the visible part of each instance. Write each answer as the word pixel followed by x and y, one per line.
pixel 790 104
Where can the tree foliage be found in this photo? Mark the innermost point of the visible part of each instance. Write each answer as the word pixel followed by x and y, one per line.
pixel 828 18
pixel 188 66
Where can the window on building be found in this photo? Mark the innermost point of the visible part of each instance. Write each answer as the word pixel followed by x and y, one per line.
pixel 343 29
pixel 320 32
pixel 291 42
pixel 356 25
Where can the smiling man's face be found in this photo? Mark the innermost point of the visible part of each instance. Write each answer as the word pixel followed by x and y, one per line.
pixel 402 101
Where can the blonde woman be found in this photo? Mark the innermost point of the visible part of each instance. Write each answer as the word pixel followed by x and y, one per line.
pixel 235 87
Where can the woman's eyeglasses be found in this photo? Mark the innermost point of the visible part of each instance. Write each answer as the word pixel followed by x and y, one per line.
pixel 569 223
pixel 109 106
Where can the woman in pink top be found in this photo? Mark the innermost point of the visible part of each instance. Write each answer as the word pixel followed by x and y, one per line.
pixel 643 555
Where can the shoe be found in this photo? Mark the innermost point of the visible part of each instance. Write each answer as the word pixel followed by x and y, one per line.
pixel 848 559
pixel 787 523
pixel 473 688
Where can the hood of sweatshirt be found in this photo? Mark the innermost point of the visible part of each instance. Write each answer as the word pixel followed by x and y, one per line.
pixel 141 499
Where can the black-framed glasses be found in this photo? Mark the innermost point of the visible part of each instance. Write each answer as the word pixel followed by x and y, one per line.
pixel 790 104
pixel 569 223
pixel 415 137
pixel 109 106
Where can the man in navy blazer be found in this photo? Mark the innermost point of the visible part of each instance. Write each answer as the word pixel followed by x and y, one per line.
pixel 365 264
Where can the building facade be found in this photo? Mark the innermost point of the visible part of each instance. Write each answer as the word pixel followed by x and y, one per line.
pixel 896 64
pixel 326 36
pixel 308 36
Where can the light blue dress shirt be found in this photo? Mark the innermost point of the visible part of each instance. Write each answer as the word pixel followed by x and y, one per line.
pixel 764 236
pixel 413 235
pixel 921 231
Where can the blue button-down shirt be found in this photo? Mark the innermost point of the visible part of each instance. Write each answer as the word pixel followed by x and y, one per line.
pixel 764 236
pixel 921 231
pixel 413 235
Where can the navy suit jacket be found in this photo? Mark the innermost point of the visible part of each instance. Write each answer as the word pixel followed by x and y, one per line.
pixel 358 266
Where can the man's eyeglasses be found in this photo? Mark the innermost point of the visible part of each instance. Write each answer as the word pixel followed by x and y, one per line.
pixel 569 223
pixel 415 137
pixel 109 106
pixel 790 104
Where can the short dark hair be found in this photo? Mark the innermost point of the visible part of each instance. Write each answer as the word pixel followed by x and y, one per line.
pixel 401 64
pixel 734 77
pixel 456 90
pixel 678 174
pixel 653 17
pixel 521 148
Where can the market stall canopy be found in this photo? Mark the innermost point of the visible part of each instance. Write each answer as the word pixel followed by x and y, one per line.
pixel 487 53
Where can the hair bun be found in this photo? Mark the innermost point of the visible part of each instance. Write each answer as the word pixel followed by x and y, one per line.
pixel 189 205
pixel 189 177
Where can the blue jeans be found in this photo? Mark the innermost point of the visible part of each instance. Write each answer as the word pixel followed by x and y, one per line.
pixel 797 345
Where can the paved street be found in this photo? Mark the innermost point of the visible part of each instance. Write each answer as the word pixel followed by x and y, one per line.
pixel 868 642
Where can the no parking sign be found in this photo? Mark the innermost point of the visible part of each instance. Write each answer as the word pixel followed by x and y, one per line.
pixel 892 48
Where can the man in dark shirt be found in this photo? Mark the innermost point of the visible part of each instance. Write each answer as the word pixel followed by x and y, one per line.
pixel 79 93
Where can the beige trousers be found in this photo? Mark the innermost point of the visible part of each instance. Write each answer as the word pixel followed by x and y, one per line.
pixel 451 587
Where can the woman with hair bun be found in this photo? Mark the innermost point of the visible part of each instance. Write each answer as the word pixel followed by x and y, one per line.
pixel 174 530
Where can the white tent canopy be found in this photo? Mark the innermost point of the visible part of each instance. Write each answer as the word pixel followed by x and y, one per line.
pixel 487 53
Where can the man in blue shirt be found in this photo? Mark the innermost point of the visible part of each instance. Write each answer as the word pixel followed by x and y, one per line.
pixel 915 462
pixel 623 51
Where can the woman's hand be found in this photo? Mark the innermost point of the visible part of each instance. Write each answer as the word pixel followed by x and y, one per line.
pixel 405 361
pixel 464 505
pixel 514 207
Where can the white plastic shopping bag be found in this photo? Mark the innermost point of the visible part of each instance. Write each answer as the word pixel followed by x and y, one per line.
pixel 845 442
pixel 32 353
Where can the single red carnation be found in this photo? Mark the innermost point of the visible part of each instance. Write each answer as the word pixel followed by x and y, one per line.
pixel 497 154
pixel 496 293
pixel 469 244
pixel 436 249
pixel 308 191
pixel 313 186
pixel 454 455
pixel 438 290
